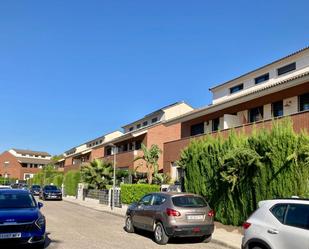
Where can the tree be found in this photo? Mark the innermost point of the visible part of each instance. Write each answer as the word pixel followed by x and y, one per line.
pixel 151 157
pixel 97 174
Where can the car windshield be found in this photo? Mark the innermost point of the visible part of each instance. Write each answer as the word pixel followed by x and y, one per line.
pixel 36 187
pixel 189 201
pixel 16 200
pixel 50 188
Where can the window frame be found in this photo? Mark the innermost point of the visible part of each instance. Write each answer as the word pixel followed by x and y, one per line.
pixel 299 102
pixel 285 69
pixel 197 132
pixel 256 80
pixel 232 89
pixel 273 109
pixel 249 114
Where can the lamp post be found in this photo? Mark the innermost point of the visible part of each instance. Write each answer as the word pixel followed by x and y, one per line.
pixel 114 175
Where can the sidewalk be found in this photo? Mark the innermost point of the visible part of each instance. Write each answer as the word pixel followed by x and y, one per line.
pixel 228 236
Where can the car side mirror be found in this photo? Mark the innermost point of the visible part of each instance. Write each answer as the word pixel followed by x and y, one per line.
pixel 40 205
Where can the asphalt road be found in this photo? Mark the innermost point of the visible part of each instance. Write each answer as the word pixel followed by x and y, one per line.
pixel 70 226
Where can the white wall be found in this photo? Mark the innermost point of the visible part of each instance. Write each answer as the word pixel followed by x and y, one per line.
pixel 231 121
pixel 267 112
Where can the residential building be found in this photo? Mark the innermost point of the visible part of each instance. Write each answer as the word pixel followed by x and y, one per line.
pixel 149 130
pixel 22 164
pixel 276 90
pixel 88 151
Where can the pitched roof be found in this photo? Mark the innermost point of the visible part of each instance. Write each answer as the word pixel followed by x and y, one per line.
pixel 31 152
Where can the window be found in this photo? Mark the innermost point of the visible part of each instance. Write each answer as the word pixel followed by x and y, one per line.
pixel 108 151
pixel 146 200
pixel 138 145
pixel 131 129
pixel 286 69
pixel 215 124
pixel 297 216
pixel 197 129
pixel 279 211
pixel 125 147
pixel 130 146
pixel 256 114
pixel 261 78
pixel 145 123
pixel 154 120
pixel 237 88
pixel 158 200
pixel 23 154
pixel 277 109
pixel 189 201
pixel 303 102
pixel 43 156
pixel 138 126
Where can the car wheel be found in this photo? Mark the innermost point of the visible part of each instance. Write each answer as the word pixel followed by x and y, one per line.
pixel 206 238
pixel 160 235
pixel 39 245
pixel 129 225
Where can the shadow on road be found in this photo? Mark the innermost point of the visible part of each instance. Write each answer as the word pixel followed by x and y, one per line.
pixel 150 235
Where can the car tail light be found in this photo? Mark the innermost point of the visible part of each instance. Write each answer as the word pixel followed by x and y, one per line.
pixel 211 213
pixel 246 225
pixel 172 212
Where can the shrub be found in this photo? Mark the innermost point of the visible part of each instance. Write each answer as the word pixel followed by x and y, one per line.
pixel 71 180
pixel 134 192
pixel 58 180
pixel 234 174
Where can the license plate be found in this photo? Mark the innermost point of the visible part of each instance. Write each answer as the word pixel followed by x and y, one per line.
pixel 195 217
pixel 10 235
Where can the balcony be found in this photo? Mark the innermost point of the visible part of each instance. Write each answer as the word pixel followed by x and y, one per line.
pixel 172 150
pixel 125 160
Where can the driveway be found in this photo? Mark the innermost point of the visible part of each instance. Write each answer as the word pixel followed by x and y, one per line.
pixel 70 226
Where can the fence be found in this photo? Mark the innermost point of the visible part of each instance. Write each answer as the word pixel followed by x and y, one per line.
pixel 103 196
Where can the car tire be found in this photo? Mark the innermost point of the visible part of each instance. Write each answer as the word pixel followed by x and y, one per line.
pixel 206 238
pixel 160 235
pixel 129 225
pixel 39 245
pixel 257 247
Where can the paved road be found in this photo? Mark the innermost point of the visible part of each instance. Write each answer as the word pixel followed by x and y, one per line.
pixel 70 226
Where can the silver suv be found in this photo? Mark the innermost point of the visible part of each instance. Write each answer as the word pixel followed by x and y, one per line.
pixel 278 224
pixel 170 214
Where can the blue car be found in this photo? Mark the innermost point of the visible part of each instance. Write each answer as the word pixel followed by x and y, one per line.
pixel 21 221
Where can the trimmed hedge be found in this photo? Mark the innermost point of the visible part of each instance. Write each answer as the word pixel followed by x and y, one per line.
pixel 71 180
pixel 237 172
pixel 134 192
pixel 58 180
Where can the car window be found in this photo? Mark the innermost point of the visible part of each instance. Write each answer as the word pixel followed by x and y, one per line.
pixel 146 200
pixel 297 216
pixel 50 188
pixel 16 200
pixel 189 201
pixel 279 211
pixel 158 200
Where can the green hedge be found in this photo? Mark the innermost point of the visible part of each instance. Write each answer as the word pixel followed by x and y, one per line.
pixel 58 180
pixel 71 180
pixel 134 192
pixel 237 172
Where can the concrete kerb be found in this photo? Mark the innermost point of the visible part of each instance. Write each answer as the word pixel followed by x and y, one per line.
pixel 76 202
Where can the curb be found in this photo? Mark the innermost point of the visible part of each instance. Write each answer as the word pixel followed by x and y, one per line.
pixel 214 241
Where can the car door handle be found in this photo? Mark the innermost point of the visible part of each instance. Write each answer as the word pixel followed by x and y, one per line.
pixel 272 231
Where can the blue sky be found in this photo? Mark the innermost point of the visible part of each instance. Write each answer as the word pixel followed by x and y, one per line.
pixel 73 70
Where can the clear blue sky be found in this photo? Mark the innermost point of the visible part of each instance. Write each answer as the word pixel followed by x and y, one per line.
pixel 73 70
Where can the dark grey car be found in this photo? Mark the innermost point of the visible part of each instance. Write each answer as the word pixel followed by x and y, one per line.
pixel 171 215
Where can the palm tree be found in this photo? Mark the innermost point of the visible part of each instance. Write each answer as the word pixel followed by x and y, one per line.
pixel 97 174
pixel 151 157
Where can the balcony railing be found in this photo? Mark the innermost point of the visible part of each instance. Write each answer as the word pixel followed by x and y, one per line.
pixel 172 150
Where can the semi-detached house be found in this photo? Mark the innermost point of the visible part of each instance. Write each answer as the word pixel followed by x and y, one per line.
pixel 254 99
pixel 149 130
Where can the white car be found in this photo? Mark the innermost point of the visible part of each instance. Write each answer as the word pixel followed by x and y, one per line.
pixel 5 187
pixel 278 224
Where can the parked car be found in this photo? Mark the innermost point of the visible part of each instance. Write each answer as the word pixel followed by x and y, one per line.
pixel 278 224
pixel 50 192
pixel 170 214
pixel 21 221
pixel 35 189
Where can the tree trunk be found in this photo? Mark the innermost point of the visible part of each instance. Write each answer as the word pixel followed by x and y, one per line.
pixel 149 175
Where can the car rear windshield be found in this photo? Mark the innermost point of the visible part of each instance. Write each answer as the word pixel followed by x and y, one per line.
pixel 50 188
pixel 16 200
pixel 189 201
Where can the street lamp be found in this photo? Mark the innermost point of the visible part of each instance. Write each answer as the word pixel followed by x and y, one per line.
pixel 114 173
